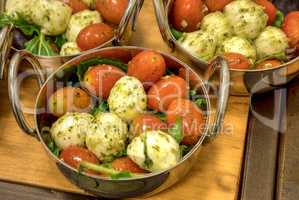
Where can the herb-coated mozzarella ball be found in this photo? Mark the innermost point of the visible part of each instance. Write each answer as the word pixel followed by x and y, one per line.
pixel 71 129
pixel 200 43
pixel 247 18
pixel 272 42
pixel 90 3
pixel 79 21
pixel 154 151
pixel 238 45
pixel 107 136
pixel 127 98
pixel 51 15
pixel 14 7
pixel 216 23
pixel 69 48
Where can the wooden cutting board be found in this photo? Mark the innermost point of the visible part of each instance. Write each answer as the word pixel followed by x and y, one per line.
pixel 215 176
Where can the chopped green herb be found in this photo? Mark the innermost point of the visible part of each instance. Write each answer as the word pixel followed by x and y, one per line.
pixel 83 66
pixel 121 154
pixel 53 148
pixel 161 116
pixel 176 130
pixel 201 103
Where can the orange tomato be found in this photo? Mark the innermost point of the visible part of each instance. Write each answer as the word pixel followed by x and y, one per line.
pixel 100 79
pixel 237 61
pixel 147 122
pixel 112 10
pixel 126 164
pixel 94 35
pixel 268 64
pixel 162 93
pixel 148 67
pixel 192 119
pixel 187 14
pixel 73 155
pixel 76 5
pixel 270 9
pixel 291 28
pixel 216 5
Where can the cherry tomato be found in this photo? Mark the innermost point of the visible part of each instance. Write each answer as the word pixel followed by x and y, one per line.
pixel 166 90
pixel 291 28
pixel 100 79
pixel 94 35
pixel 112 10
pixel 148 67
pixel 270 9
pixel 237 61
pixel 76 5
pixel 216 5
pixel 147 122
pixel 126 164
pixel 193 79
pixel 268 64
pixel 69 99
pixel 192 118
pixel 187 15
pixel 73 155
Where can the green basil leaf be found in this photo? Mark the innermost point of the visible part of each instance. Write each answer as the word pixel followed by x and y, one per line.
pixel 176 130
pixel 161 116
pixel 176 34
pixel 184 149
pixel 278 19
pixel 39 45
pixel 103 107
pixel 60 40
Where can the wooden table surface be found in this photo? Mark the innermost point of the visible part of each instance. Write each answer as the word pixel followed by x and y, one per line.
pixel 215 176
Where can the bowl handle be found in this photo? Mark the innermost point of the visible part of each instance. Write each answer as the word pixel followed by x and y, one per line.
pixel 219 63
pixel 13 87
pixel 129 20
pixel 162 19
pixel 5 45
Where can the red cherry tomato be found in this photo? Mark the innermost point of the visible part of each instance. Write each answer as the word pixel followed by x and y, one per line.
pixel 193 119
pixel 100 79
pixel 270 9
pixel 187 14
pixel 161 94
pixel 73 155
pixel 76 5
pixel 126 164
pixel 112 10
pixel 237 61
pixel 148 67
pixel 193 79
pixel 147 122
pixel 291 28
pixel 216 5
pixel 94 35
pixel 268 64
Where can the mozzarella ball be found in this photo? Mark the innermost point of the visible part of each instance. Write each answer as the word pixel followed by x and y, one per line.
pixel 238 45
pixel 71 129
pixel 199 43
pixel 14 7
pixel 216 23
pixel 154 151
pixel 247 18
pixel 127 98
pixel 107 136
pixel 90 3
pixel 272 42
pixel 79 21
pixel 69 48
pixel 51 15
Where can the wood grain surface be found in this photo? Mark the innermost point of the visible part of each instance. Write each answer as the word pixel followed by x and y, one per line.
pixel 215 176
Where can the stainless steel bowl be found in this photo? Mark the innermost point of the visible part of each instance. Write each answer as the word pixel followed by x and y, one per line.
pixel 101 186
pixel 243 82
pixel 121 37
